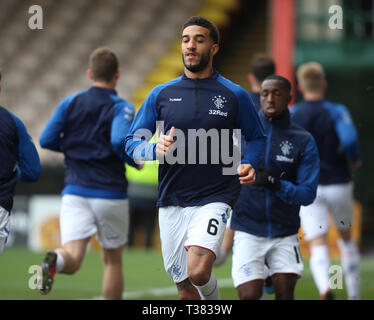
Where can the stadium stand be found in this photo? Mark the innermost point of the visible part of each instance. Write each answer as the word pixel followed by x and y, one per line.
pixel 40 67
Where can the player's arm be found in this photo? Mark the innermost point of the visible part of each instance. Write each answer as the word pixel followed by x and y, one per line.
pixel 304 191
pixel 29 167
pixel 124 113
pixel 51 136
pixel 254 138
pixel 137 145
pixel 252 131
pixel 347 133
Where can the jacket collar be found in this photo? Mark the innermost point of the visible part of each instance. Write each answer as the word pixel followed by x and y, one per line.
pixel 103 90
pixel 213 76
pixel 281 122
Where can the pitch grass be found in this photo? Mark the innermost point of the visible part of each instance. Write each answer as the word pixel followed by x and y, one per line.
pixel 143 271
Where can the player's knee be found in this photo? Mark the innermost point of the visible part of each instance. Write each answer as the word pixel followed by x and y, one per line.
pixel 250 294
pixel 199 276
pixel 284 296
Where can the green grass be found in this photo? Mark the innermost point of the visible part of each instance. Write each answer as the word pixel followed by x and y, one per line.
pixel 144 271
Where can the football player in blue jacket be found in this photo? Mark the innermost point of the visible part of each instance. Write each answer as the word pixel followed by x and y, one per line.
pixel 19 162
pixel 336 136
pixel 266 216
pixel 199 114
pixel 88 127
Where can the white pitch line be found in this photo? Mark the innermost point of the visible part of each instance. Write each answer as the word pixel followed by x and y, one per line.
pixel 159 292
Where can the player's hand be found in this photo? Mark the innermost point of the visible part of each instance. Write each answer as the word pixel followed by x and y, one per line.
pixel 164 143
pixel 266 179
pixel 247 174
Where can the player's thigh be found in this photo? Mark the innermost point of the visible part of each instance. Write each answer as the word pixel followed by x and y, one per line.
pixel 314 218
pixel 77 220
pixel 248 259
pixel 173 223
pixel 284 256
pixel 112 219
pixel 207 227
pixel 341 205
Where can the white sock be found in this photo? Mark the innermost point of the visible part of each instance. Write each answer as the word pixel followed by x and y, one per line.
pixel 319 265
pixel 350 257
pixel 60 263
pixel 209 291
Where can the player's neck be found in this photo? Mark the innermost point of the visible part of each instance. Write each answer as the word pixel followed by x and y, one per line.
pixel 105 85
pixel 313 96
pixel 206 73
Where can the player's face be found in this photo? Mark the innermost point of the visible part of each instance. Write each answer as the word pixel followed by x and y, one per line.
pixel 197 48
pixel 274 97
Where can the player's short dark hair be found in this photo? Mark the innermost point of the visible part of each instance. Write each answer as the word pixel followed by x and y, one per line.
pixel 0 75
pixel 103 64
pixel 205 23
pixel 286 82
pixel 262 67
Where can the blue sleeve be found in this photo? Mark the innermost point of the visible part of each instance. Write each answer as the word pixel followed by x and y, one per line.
pixel 346 132
pixel 29 167
pixel 142 130
pixel 305 189
pixel 124 113
pixel 252 130
pixel 51 135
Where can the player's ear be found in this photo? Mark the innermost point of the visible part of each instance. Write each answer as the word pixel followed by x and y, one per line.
pixel 324 84
pixel 251 78
pixel 90 74
pixel 117 74
pixel 289 99
pixel 214 49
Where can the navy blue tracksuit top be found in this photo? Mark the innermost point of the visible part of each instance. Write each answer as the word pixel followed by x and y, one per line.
pixel 292 156
pixel 186 104
pixel 19 159
pixel 89 127
pixel 336 136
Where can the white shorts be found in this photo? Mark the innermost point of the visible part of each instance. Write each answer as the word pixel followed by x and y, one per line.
pixel 82 217
pixel 4 227
pixel 336 199
pixel 282 255
pixel 180 228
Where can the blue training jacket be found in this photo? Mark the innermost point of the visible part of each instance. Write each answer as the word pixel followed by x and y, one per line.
pixel 292 156
pixel 89 127
pixel 185 103
pixel 256 100
pixel 19 159
pixel 332 127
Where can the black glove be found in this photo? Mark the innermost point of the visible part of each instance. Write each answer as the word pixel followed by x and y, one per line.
pixel 264 178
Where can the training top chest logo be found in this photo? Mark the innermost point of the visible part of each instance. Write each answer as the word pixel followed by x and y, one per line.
pixel 286 148
pixel 219 102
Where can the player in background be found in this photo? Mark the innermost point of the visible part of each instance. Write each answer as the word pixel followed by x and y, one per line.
pixel 88 127
pixel 337 140
pixel 262 66
pixel 266 216
pixel 19 162
pixel 195 198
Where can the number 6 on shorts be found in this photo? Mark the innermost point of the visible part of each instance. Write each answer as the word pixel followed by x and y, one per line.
pixel 212 226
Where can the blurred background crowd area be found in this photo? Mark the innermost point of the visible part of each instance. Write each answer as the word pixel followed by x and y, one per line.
pixel 42 66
